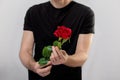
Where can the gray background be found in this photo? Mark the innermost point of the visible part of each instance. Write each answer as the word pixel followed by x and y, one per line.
pixel 104 56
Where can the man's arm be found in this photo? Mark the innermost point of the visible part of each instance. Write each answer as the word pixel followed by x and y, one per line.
pixel 26 50
pixel 26 55
pixel 77 59
pixel 81 54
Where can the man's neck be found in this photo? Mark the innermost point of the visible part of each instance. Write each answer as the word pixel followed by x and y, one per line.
pixel 60 3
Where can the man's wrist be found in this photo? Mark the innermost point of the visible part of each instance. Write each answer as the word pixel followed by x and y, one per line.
pixel 32 66
pixel 67 60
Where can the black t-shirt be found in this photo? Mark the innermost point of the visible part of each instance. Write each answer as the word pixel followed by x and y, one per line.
pixel 43 19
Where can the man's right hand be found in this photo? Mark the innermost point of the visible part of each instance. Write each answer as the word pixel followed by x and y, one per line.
pixel 43 70
pixel 26 56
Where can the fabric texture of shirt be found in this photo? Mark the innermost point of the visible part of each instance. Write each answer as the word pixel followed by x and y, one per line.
pixel 43 19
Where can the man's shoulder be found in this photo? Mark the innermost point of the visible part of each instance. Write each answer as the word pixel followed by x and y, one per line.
pixel 38 6
pixel 83 7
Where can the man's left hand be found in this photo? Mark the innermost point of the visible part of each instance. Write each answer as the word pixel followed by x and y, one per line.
pixel 58 56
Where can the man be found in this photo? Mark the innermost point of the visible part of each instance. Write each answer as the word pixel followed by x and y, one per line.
pixel 40 22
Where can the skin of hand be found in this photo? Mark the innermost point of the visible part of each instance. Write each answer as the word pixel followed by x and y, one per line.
pixel 58 56
pixel 43 70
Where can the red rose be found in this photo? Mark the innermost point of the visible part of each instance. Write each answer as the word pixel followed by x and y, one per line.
pixel 63 32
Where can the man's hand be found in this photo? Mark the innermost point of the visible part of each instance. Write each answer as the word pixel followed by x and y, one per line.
pixel 58 56
pixel 43 70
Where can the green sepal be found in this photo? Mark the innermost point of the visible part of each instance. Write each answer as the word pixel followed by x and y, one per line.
pixel 58 44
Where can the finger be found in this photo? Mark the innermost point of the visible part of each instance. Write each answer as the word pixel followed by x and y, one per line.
pixel 44 74
pixel 55 53
pixel 52 59
pixel 54 62
pixel 62 60
pixel 47 73
pixel 47 69
pixel 44 70
pixel 59 53
pixel 64 52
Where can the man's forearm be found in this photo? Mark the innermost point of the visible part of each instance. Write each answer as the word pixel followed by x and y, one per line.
pixel 76 60
pixel 27 60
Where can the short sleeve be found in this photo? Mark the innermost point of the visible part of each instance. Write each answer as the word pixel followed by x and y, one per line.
pixel 28 22
pixel 88 23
